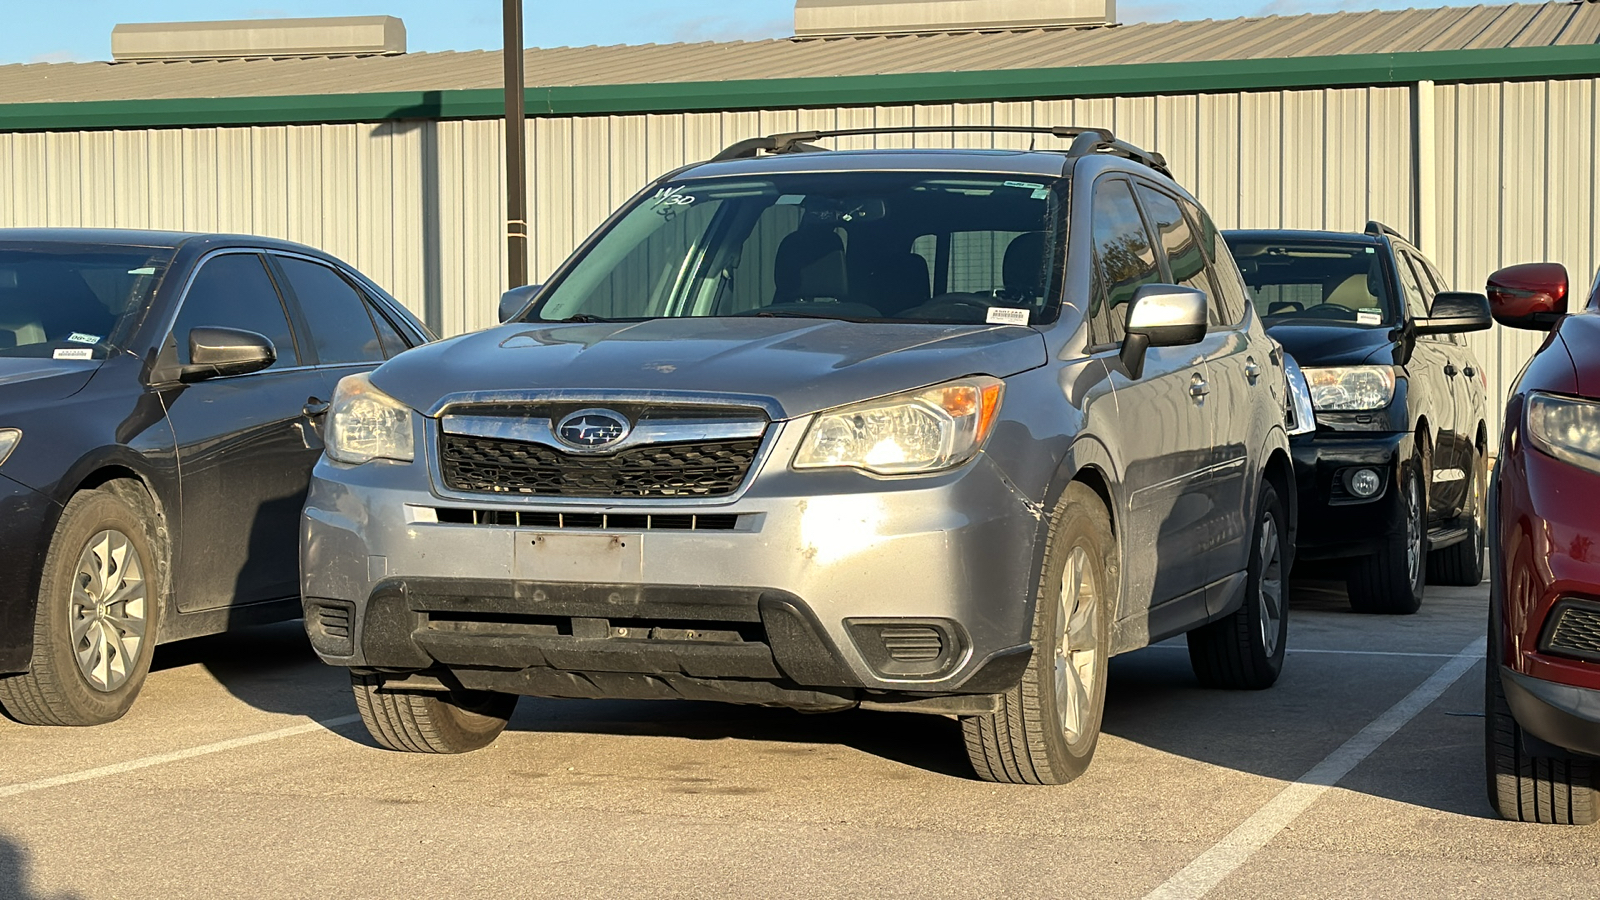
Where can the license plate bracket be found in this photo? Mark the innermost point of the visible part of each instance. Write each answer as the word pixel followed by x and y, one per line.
pixel 583 558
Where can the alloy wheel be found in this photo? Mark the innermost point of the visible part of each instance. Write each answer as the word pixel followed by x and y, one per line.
pixel 1270 596
pixel 1077 652
pixel 1414 514
pixel 109 610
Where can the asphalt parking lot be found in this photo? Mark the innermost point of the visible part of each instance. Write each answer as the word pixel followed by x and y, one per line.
pixel 242 771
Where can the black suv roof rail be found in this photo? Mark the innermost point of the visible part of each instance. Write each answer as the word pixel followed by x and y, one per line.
pixel 1085 141
pixel 1378 229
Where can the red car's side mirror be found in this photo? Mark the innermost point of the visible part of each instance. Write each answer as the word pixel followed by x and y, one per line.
pixel 1531 296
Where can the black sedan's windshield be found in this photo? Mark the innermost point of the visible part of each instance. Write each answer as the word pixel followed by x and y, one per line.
pixel 876 246
pixel 1316 281
pixel 73 301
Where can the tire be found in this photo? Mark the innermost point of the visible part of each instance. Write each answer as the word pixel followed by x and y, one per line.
pixel 1526 787
pixel 1461 565
pixel 95 628
pixel 1047 726
pixel 1390 581
pixel 455 722
pixel 1244 652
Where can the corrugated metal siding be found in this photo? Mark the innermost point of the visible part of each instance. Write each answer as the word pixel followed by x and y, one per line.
pixel 418 205
pixel 1272 37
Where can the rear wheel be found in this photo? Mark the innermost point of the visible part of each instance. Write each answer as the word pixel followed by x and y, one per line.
pixel 1245 650
pixel 1390 581
pixel 453 722
pixel 1461 564
pixel 94 630
pixel 1047 727
pixel 1527 787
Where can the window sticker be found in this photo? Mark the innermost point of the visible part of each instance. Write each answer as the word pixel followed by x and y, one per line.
pixel 73 353
pixel 791 200
pixel 1041 193
pixel 1000 315
pixel 77 338
pixel 1025 185
pixel 1369 318
pixel 143 270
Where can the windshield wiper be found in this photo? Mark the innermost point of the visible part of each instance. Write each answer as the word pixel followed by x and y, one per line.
pixel 795 314
pixel 585 317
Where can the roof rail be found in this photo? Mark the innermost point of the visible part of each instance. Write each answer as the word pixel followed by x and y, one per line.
pixel 1085 141
pixel 1378 229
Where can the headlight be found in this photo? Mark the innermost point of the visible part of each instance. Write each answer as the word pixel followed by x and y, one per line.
pixel 921 431
pixel 8 441
pixel 1565 428
pixel 1350 388
pixel 365 424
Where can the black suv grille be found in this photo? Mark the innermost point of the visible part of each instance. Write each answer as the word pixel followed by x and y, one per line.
pixel 698 469
pixel 1576 631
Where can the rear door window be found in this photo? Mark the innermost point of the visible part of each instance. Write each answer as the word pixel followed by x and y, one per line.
pixel 336 313
pixel 1124 258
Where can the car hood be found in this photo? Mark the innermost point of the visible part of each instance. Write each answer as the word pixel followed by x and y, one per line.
pixel 799 366
pixel 37 382
pixel 1331 345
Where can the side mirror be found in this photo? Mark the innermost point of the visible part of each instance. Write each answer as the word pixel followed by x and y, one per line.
pixel 517 299
pixel 1454 312
pixel 1161 315
pixel 1531 296
pixel 216 352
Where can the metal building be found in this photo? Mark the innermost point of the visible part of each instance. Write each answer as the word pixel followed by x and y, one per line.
pixel 1474 129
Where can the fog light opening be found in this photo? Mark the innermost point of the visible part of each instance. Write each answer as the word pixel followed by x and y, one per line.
pixel 1365 483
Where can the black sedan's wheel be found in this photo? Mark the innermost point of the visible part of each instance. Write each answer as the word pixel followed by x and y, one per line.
pixel 1047 727
pixel 95 627
pixel 453 722
pixel 1245 650
pixel 1461 564
pixel 1390 581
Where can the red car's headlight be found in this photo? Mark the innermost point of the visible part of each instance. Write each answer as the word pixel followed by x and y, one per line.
pixel 1566 428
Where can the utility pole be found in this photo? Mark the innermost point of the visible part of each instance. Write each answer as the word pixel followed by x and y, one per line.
pixel 516 158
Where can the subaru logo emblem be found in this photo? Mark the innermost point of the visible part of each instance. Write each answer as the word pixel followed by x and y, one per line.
pixel 592 429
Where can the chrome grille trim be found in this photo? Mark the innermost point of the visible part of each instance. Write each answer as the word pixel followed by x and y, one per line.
pixel 646 431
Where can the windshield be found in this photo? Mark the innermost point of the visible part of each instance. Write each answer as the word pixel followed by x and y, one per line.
pixel 73 301
pixel 1312 281
pixel 873 246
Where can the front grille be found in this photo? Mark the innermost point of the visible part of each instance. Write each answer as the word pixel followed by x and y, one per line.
pixel 697 469
pixel 1575 631
pixel 511 518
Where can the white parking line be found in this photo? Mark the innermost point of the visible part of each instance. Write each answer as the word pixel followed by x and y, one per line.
pixel 1199 877
pixel 28 787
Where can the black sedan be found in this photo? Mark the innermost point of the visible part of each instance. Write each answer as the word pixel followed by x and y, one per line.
pixel 161 397
pixel 1394 477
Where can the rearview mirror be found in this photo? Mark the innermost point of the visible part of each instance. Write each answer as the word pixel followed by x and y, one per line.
pixel 1455 312
pixel 1531 296
pixel 516 300
pixel 1161 315
pixel 217 352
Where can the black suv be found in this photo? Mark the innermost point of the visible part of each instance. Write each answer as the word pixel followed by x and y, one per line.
pixel 161 401
pixel 932 431
pixel 1395 473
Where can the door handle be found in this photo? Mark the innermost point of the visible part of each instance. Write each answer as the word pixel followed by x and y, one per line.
pixel 315 407
pixel 1450 369
pixel 1471 371
pixel 1199 388
pixel 1252 369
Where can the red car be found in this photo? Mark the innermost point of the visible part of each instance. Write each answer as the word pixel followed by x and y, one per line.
pixel 1542 688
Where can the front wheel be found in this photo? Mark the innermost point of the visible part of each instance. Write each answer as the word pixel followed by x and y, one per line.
pixel 1390 581
pixel 453 722
pixel 94 629
pixel 1047 727
pixel 1526 787
pixel 1245 650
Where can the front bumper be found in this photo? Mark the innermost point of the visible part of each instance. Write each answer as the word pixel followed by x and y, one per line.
pixel 830 584
pixel 1333 523
pixel 26 520
pixel 1561 714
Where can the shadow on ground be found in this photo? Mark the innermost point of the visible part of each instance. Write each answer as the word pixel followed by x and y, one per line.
pixel 14 879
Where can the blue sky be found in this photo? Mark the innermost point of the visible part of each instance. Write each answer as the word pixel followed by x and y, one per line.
pixel 68 30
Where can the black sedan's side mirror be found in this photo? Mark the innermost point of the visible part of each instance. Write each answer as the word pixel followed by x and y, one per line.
pixel 216 352
pixel 1455 312
pixel 517 299
pixel 1162 315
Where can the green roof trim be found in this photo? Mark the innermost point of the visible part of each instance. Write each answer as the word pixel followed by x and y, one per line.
pixel 1505 64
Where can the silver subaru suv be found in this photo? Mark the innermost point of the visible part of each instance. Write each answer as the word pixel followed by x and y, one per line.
pixel 935 431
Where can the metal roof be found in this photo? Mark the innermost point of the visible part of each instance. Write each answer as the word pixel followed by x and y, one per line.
pixel 1563 24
